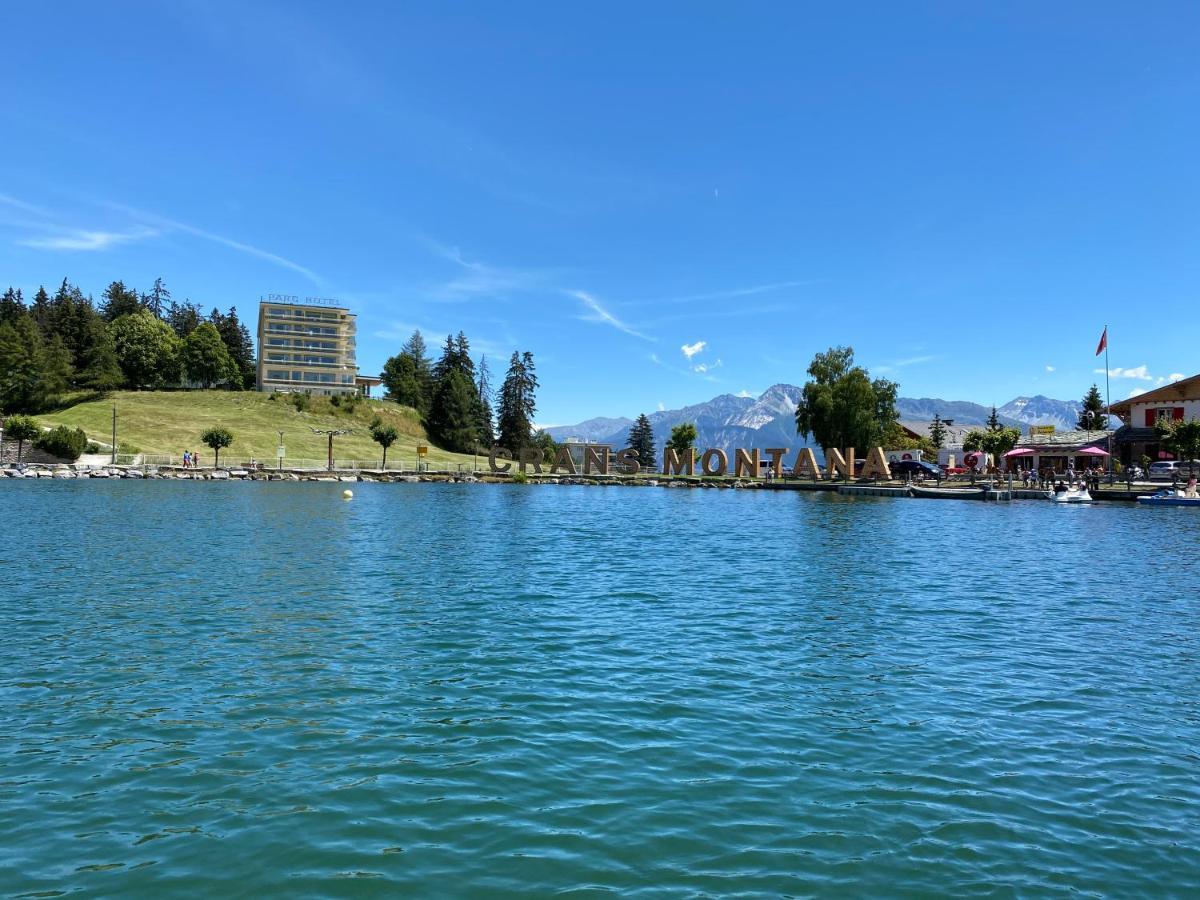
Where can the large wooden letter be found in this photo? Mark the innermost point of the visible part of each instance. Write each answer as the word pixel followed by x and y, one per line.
pixel 499 452
pixel 835 462
pixel 628 460
pixel 595 456
pixel 532 455
pixel 876 464
pixel 806 464
pixel 745 461
pixel 673 464
pixel 711 454
pixel 775 457
pixel 562 459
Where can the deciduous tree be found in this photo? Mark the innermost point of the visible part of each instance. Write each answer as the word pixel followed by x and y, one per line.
pixel 148 351
pixel 384 436
pixel 217 438
pixel 206 359
pixel 21 429
pixel 840 406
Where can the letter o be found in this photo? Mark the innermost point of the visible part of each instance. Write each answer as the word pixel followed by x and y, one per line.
pixel 711 454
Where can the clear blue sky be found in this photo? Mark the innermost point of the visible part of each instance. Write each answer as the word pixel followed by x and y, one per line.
pixel 965 193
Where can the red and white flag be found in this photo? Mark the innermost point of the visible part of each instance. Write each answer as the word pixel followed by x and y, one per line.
pixel 1103 341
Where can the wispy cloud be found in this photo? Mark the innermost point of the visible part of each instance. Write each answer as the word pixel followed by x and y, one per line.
pixel 602 315
pixel 1137 392
pixel 167 224
pixel 481 279
pixel 744 393
pixel 690 350
pixel 731 293
pixel 901 364
pixel 662 406
pixel 1050 368
pixel 1139 373
pixel 702 368
pixel 1176 376
pixel 89 240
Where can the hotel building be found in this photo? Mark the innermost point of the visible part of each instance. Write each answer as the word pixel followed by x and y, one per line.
pixel 306 346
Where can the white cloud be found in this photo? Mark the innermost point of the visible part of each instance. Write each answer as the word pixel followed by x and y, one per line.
pixel 89 240
pixel 1136 391
pixel 744 393
pixel 690 350
pixel 1138 373
pixel 600 314
pixel 1176 376
pixel 702 368
pixel 661 407
pixel 1049 368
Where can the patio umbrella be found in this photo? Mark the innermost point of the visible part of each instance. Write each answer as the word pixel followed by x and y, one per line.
pixel 1092 451
pixel 1018 451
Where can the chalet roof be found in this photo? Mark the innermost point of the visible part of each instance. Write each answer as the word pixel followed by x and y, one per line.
pixel 1187 389
pixel 1063 440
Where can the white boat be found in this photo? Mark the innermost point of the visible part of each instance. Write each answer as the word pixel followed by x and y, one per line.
pixel 1071 496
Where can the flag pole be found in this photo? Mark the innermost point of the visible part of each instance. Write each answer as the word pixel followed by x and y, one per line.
pixel 1107 406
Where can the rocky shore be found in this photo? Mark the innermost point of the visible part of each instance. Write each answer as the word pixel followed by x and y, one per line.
pixel 234 474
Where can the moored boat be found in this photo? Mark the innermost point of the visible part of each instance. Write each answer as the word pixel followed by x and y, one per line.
pixel 1168 497
pixel 1071 496
pixel 940 493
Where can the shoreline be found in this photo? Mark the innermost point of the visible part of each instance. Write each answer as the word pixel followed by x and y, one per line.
pixel 63 472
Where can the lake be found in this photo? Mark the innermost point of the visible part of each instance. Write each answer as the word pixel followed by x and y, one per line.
pixel 488 690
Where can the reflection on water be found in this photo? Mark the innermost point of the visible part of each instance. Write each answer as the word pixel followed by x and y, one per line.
pixel 255 689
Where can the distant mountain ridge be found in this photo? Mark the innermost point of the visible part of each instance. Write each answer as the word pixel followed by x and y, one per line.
pixel 728 421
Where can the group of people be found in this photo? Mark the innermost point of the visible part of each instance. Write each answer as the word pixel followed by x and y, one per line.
pixel 191 460
pixel 1047 478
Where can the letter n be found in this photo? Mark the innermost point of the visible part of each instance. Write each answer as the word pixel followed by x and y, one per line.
pixel 745 462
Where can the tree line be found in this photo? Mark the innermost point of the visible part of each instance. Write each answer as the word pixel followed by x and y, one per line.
pixel 455 399
pixel 54 345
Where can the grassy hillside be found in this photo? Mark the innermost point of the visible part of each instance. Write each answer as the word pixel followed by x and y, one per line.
pixel 169 422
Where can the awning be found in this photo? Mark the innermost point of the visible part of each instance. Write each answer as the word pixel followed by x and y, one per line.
pixel 1019 451
pixel 1092 451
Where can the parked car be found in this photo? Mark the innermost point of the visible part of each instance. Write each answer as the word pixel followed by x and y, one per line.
pixel 915 468
pixel 1164 468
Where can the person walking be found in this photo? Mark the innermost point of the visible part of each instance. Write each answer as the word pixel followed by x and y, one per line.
pixel 187 459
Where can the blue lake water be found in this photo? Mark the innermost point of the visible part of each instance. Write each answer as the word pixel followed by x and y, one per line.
pixel 453 690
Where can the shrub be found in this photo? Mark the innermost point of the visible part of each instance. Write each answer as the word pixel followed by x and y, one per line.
pixel 63 442
pixel 92 447
pixel 300 401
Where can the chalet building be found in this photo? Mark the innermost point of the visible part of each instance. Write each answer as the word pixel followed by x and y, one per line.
pixel 1177 402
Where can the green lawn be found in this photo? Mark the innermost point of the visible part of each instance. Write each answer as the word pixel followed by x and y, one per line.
pixel 169 422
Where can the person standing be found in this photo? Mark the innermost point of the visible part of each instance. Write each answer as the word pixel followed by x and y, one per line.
pixel 187 458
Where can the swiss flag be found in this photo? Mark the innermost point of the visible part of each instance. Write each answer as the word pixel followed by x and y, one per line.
pixel 1103 341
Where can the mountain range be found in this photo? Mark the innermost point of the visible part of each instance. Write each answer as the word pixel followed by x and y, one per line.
pixel 728 421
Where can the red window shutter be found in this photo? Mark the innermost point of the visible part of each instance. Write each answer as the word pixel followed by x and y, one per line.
pixel 1177 414
pixel 1150 418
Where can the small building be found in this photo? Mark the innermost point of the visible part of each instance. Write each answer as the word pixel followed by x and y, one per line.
pixel 306 346
pixel 1061 450
pixel 1175 402
pixel 364 383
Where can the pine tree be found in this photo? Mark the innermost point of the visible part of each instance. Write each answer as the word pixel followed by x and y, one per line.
pixel 240 347
pixel 1092 417
pixel 486 424
pixel 641 439
pixel 33 371
pixel 119 301
pixel 454 417
pixel 408 377
pixel 11 305
pixel 518 403
pixel 158 301
pixel 937 433
pixel 184 317
pixel 993 422
pixel 40 309
pixel 99 369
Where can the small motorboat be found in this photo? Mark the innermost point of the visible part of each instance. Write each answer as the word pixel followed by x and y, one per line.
pixel 1168 497
pixel 1073 495
pixel 940 493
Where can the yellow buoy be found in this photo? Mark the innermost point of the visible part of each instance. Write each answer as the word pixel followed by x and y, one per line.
pixel 347 495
